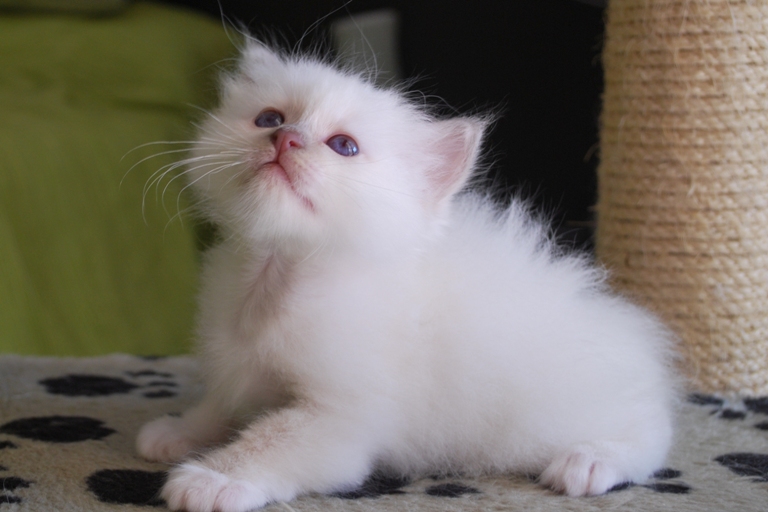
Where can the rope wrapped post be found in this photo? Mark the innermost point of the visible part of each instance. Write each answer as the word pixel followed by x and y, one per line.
pixel 683 178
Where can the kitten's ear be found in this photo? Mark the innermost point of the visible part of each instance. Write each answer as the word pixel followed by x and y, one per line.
pixel 457 148
pixel 259 54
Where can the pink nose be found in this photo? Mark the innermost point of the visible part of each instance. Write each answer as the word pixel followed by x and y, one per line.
pixel 286 139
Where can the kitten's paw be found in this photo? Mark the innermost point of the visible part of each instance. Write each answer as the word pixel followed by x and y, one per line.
pixel 581 471
pixel 194 488
pixel 165 440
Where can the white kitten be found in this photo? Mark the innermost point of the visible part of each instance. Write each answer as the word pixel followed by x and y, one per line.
pixel 359 314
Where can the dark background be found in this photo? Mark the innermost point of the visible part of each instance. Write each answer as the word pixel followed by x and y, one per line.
pixel 534 61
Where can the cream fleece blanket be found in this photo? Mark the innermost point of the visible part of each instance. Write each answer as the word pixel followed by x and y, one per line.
pixel 67 428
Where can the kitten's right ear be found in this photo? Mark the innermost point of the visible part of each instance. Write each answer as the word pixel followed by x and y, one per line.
pixel 257 53
pixel 256 59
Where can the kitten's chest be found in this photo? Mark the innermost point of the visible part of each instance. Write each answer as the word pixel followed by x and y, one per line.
pixel 248 351
pixel 283 314
pixel 272 313
pixel 243 303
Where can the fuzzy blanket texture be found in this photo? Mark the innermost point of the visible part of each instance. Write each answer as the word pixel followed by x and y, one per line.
pixel 67 428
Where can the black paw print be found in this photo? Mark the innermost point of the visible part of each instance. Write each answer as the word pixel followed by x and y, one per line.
pixel 757 405
pixel 9 484
pixel 746 464
pixel 127 486
pixel 660 484
pixel 380 484
pixel 450 490
pixel 155 384
pixel 57 429
pixel 376 485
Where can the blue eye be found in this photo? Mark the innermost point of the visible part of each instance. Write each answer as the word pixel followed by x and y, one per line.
pixel 343 145
pixel 269 119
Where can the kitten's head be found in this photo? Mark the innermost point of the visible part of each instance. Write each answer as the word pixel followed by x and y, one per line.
pixel 300 150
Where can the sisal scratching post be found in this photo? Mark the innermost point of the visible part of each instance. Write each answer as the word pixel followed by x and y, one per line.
pixel 683 178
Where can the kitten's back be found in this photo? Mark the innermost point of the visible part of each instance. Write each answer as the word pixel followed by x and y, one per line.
pixel 538 340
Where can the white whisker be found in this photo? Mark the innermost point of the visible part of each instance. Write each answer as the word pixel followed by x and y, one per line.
pixel 158 175
pixel 169 168
pixel 340 179
pixel 238 136
pixel 206 174
pixel 197 144
pixel 191 169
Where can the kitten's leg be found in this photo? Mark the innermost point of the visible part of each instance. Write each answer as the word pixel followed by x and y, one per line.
pixel 170 439
pixel 590 469
pixel 288 452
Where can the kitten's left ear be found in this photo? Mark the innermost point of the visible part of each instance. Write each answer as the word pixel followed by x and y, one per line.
pixel 457 148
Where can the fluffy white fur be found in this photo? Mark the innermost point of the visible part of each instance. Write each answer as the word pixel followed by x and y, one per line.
pixel 358 313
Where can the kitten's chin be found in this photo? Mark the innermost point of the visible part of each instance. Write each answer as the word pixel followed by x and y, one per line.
pixel 276 177
pixel 288 226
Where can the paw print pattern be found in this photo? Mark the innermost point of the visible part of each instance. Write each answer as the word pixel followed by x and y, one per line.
pixel 746 464
pixel 450 490
pixel 86 385
pixel 376 485
pixel 153 383
pixel 734 411
pixel 57 429
pixel 758 405
pixel 380 485
pixel 9 484
pixel 160 383
pixel 660 483
pixel 111 486
pixel 127 486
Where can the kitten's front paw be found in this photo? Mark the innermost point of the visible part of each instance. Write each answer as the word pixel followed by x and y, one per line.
pixel 164 440
pixel 194 488
pixel 581 472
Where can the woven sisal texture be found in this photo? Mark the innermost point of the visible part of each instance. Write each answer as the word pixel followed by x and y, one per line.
pixel 683 179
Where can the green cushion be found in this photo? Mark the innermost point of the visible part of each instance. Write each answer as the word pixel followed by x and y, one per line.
pixel 75 6
pixel 83 270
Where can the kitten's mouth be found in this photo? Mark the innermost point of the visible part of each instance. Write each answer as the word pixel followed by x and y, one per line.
pixel 274 168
